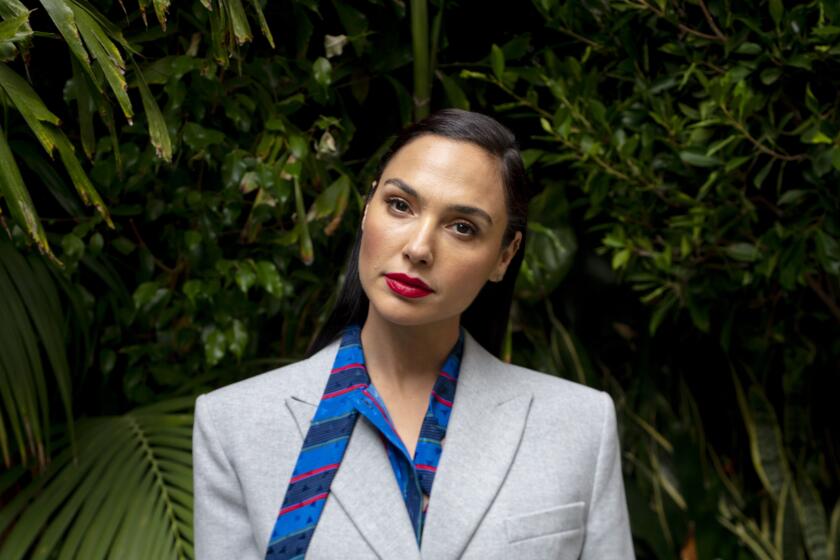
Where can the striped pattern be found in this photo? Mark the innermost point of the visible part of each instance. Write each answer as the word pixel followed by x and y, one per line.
pixel 347 394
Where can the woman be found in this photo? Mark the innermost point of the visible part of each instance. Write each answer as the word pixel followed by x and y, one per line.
pixel 335 456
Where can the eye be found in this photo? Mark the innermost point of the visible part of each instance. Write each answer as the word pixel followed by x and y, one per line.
pixel 397 204
pixel 466 229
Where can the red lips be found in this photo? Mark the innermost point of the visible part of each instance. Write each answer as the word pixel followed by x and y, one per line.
pixel 406 285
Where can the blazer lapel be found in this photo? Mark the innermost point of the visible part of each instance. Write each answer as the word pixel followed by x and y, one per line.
pixel 364 486
pixel 483 435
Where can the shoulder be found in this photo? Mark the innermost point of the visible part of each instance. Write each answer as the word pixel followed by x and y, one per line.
pixel 551 394
pixel 303 379
pixel 585 416
pixel 553 390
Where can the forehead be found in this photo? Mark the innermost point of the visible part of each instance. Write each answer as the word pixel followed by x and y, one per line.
pixel 449 170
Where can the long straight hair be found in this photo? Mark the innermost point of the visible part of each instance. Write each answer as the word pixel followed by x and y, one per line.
pixel 486 317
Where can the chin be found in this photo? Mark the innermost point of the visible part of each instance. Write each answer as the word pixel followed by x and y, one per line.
pixel 406 312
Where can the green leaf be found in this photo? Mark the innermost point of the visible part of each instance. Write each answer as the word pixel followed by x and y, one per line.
pixel 758 180
pixel 269 278
pixel 792 197
pixel 307 253
pixel 660 311
pixel 148 294
pixel 255 4
pixel 299 146
pixel 834 532
pixel 245 276
pixel 161 7
pixel 698 159
pixel 158 130
pixel 107 56
pixel 238 20
pixel 454 93
pixel 64 19
pixel 787 534
pixel 770 75
pixel 815 135
pixel 497 61
pixel 200 138
pixel 621 258
pixel 777 10
pixel 84 187
pixel 237 337
pixel 127 487
pixel 828 252
pixel 35 317
pixel 18 200
pixel 192 240
pixel 215 345
pixel 467 74
pixel 812 518
pixel 766 447
pixel 549 253
pixel 123 245
pixel 331 202
pixel 322 71
pixel 404 102
pixel 744 252
pixel 73 248
pixel 31 108
pixel 748 48
pixel 193 289
pixel 10 28
pixel 85 105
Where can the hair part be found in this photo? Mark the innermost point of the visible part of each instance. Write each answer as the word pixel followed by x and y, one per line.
pixel 486 317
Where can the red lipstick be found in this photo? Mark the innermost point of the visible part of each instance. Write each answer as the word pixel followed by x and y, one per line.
pixel 407 286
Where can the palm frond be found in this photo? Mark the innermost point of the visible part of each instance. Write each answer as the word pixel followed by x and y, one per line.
pixel 32 321
pixel 127 494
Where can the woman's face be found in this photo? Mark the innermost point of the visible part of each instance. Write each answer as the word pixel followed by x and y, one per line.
pixel 437 216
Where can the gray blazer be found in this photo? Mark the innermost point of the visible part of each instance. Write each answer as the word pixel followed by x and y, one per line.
pixel 530 469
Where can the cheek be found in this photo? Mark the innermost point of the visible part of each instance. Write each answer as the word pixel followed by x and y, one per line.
pixel 374 244
pixel 468 271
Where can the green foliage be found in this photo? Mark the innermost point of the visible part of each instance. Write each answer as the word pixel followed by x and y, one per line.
pixel 129 484
pixel 707 151
pixel 682 247
pixel 33 319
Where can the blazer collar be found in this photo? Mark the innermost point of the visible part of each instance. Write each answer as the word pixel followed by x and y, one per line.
pixel 483 435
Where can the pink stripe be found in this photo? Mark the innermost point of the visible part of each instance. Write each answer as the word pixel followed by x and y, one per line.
pixel 342 391
pixel 446 375
pixel 348 366
pixel 441 399
pixel 380 409
pixel 313 472
pixel 303 503
pixel 429 468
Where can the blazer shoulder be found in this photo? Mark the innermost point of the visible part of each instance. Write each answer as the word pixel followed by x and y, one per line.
pixel 556 392
pixel 303 379
pixel 552 384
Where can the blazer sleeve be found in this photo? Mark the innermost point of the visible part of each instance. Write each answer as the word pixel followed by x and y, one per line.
pixel 221 527
pixel 608 525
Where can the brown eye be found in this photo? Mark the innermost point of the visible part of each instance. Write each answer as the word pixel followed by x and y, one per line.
pixel 397 204
pixel 465 229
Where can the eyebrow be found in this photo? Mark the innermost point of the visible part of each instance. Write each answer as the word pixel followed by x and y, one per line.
pixel 461 208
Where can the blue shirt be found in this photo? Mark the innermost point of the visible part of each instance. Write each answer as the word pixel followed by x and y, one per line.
pixel 348 394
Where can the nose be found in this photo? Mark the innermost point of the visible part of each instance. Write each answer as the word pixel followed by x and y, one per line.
pixel 419 246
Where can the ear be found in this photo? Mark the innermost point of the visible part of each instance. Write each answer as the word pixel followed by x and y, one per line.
pixel 506 257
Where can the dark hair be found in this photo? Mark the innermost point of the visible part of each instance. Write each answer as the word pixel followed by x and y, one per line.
pixel 487 316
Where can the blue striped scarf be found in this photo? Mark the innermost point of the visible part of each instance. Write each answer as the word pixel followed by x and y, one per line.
pixel 349 393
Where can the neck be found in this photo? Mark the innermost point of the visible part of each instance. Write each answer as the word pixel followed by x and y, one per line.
pixel 406 358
